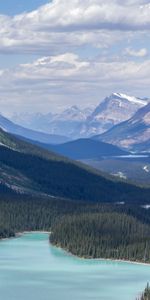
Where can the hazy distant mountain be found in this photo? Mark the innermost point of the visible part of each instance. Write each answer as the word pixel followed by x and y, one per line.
pixel 132 134
pixel 11 127
pixel 34 121
pixel 64 123
pixel 69 121
pixel 74 113
pixel 111 111
pixel 84 149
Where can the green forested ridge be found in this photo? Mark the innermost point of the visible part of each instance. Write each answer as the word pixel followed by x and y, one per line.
pixel 17 144
pixel 65 179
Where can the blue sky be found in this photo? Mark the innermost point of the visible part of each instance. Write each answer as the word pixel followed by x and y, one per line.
pixel 59 53
pixel 14 7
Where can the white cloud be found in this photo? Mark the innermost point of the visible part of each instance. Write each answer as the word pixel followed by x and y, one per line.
pixel 65 79
pixel 87 14
pixel 73 23
pixel 58 30
pixel 137 53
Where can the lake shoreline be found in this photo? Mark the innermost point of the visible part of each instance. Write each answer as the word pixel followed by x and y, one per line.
pixel 19 234
pixel 102 259
pixel 37 262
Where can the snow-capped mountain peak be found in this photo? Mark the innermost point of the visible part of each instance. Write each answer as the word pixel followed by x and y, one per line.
pixel 116 108
pixel 131 98
pixel 133 134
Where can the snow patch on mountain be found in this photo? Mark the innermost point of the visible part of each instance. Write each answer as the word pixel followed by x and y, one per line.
pixel 133 134
pixel 146 169
pixel 131 98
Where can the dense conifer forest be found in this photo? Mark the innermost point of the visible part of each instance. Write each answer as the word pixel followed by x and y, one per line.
pixel 84 229
pixel 103 235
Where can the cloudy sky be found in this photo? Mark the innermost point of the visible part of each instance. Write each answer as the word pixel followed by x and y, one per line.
pixel 59 53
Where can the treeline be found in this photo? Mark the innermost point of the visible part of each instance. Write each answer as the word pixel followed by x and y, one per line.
pixel 103 235
pixel 27 213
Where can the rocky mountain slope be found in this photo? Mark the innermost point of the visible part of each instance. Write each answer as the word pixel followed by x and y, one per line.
pixel 133 134
pixel 111 111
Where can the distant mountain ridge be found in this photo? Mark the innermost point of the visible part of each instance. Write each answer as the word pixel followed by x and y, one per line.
pixel 66 123
pixel 13 128
pixel 84 149
pixel 133 134
pixel 83 123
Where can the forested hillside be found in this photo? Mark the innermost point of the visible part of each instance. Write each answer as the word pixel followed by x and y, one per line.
pixel 103 235
pixel 26 167
pixel 20 212
pixel 89 230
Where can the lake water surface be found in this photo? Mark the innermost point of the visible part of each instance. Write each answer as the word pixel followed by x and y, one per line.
pixel 32 269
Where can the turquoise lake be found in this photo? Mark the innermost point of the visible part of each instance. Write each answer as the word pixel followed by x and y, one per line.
pixel 32 269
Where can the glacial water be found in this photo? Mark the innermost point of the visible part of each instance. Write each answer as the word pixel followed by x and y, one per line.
pixel 32 269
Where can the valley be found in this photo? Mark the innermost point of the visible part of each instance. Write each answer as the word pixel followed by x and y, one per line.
pixel 74 150
pixel 92 195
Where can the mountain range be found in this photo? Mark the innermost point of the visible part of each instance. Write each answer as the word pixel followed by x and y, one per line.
pixel 67 123
pixel 126 118
pixel 133 134
pixel 80 123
